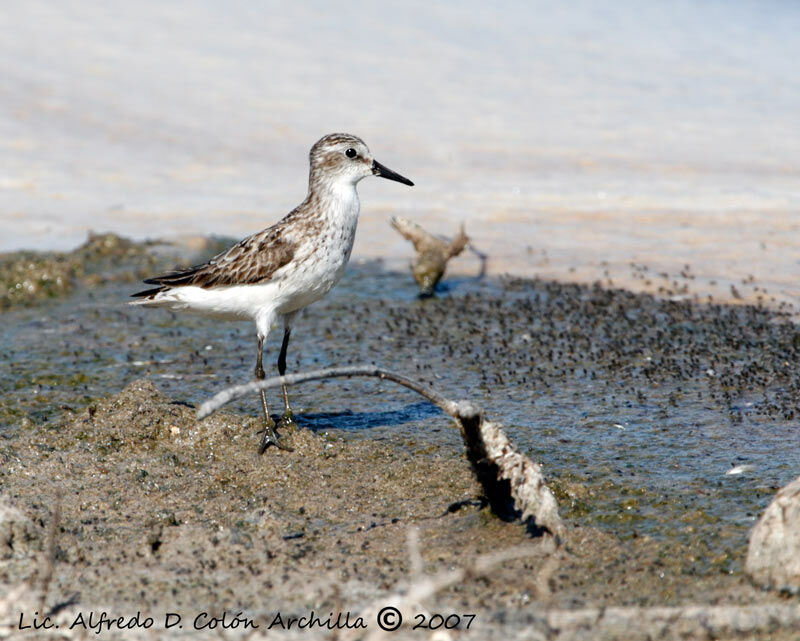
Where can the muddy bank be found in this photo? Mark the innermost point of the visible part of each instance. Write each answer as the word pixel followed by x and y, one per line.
pixel 28 277
pixel 158 513
pixel 147 491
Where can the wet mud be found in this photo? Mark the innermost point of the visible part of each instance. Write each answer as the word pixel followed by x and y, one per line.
pixel 663 426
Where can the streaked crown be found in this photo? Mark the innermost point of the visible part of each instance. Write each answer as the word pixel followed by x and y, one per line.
pixel 339 158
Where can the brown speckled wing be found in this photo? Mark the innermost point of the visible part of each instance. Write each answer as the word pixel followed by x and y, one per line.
pixel 252 260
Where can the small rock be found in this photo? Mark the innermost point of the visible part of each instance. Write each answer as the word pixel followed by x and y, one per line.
pixel 773 557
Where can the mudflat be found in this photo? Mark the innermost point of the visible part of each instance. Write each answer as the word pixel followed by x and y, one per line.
pixel 641 410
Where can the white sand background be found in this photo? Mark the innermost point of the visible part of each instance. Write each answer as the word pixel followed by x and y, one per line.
pixel 572 138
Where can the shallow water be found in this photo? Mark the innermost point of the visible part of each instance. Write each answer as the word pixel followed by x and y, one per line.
pixel 624 131
pixel 636 408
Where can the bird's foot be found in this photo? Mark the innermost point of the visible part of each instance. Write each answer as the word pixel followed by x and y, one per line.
pixel 270 437
pixel 287 421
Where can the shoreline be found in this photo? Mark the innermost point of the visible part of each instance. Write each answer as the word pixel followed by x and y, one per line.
pixel 666 277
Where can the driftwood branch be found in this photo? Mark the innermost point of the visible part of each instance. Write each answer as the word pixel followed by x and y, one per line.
pixel 513 483
pixel 433 252
pixel 237 391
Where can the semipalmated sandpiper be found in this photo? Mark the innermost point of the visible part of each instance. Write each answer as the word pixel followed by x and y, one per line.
pixel 272 275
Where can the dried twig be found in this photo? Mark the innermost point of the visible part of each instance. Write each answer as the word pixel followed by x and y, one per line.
pixel 414 555
pixel 49 556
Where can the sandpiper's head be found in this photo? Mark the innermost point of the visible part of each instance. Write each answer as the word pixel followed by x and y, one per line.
pixel 338 158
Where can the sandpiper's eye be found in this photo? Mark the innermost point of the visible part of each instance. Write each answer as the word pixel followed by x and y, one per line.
pixel 351 153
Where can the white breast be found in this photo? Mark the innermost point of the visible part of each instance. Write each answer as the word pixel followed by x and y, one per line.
pixel 320 260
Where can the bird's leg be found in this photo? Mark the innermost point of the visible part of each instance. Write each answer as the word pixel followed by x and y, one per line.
pixel 288 416
pixel 269 437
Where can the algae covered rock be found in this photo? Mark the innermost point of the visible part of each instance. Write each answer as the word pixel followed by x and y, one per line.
pixel 30 276
pixel 773 556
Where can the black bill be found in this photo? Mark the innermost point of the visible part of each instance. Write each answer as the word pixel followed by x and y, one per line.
pixel 384 172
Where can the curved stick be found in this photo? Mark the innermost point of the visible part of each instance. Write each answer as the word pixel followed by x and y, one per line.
pixel 512 482
pixel 237 391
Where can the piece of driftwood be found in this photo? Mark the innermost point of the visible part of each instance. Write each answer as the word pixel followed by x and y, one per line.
pixel 514 485
pixel 433 252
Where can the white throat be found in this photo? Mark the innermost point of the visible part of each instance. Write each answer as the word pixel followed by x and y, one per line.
pixel 342 204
